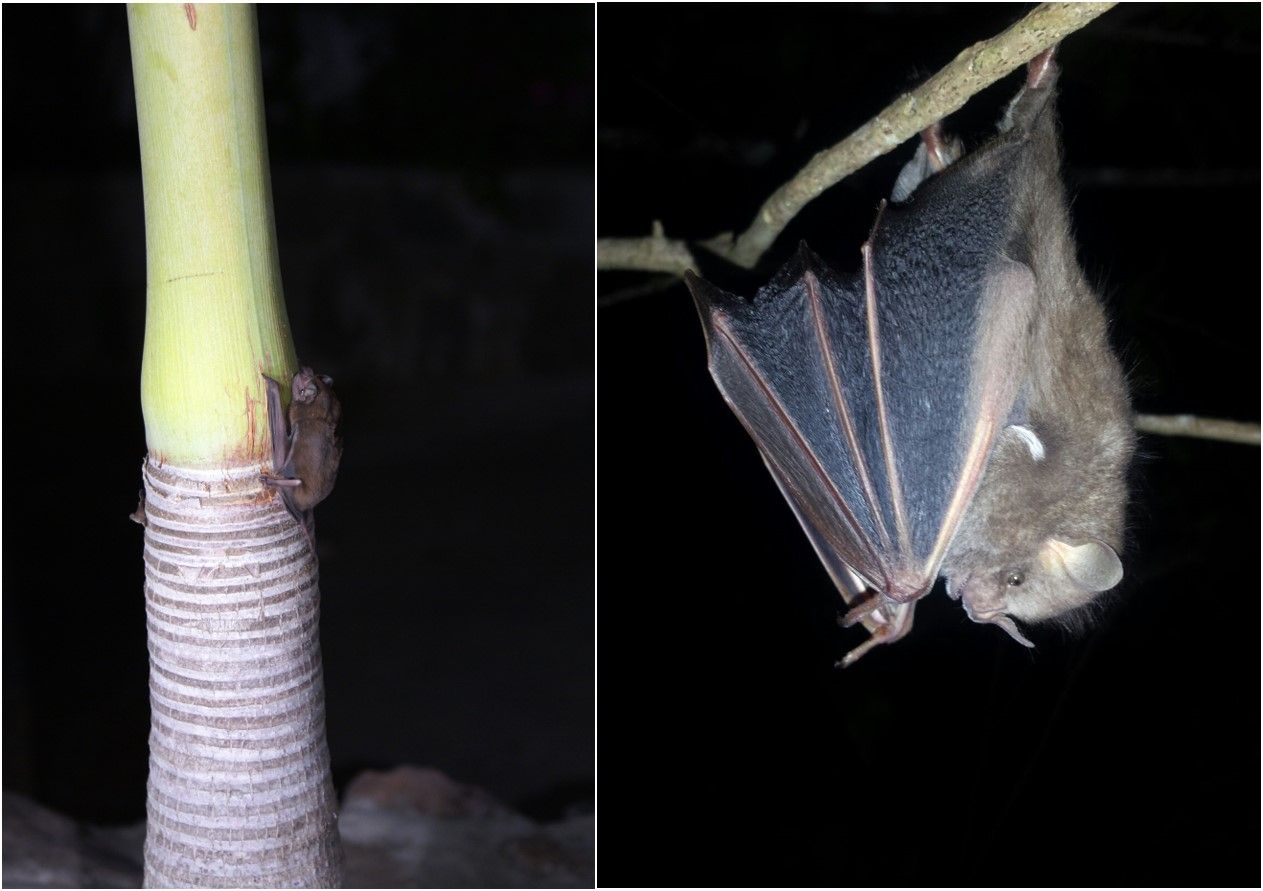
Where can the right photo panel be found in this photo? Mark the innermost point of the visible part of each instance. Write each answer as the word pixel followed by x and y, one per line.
pixel 928 445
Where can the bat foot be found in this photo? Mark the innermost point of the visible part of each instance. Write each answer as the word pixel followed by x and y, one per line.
pixel 1039 69
pixel 139 515
pixel 307 522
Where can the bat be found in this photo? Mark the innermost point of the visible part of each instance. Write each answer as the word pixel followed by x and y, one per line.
pixel 306 451
pixel 954 407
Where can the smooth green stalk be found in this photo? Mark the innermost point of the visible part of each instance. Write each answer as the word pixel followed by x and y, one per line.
pixel 215 313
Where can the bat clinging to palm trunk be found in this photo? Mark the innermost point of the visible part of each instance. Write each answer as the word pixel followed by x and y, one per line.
pixel 954 408
pixel 307 450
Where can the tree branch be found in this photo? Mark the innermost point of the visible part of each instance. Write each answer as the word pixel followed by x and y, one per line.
pixel 973 69
pixel 655 253
pixel 1202 428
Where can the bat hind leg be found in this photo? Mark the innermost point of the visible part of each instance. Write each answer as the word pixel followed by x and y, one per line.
pixel 307 520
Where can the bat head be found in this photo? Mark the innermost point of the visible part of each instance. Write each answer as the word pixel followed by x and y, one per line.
pixel 1058 577
pixel 307 385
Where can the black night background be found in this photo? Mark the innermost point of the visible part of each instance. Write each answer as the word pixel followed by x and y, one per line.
pixel 733 753
pixel 432 172
pixel 433 187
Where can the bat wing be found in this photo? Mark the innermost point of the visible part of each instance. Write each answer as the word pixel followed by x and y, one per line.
pixel 875 398
pixel 276 425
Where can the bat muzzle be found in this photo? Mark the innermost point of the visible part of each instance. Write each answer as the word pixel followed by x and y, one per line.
pixel 996 617
pixel 983 609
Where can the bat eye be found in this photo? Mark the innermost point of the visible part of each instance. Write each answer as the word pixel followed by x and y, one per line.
pixel 1015 579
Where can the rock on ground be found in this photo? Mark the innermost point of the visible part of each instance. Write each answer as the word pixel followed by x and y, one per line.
pixel 409 827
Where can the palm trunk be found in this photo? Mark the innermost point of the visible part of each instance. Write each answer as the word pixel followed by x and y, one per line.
pixel 239 788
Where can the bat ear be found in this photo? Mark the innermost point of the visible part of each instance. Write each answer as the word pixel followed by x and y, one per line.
pixel 328 381
pixel 1093 566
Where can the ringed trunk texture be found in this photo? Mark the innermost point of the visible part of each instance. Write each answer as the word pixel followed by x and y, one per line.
pixel 239 792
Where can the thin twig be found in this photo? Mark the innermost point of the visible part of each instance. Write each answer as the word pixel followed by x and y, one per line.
pixel 972 70
pixel 1202 428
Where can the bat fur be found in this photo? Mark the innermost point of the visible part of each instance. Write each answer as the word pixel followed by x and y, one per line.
pixel 1052 514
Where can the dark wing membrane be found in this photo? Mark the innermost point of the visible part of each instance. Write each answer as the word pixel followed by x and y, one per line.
pixel 874 398
pixel 951 315
pixel 844 577
pixel 771 359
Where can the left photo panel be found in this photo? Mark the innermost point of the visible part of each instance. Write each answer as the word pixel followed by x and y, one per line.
pixel 299 446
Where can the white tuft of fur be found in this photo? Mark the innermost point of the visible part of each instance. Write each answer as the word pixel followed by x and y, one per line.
pixel 1032 440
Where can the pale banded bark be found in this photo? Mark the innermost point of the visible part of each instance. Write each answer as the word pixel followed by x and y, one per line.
pixel 239 792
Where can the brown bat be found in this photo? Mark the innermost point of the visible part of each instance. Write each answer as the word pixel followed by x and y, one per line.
pixel 1042 535
pixel 306 452
pixel 954 408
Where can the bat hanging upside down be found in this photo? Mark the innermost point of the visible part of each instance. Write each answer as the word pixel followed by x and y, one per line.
pixel 306 452
pixel 954 408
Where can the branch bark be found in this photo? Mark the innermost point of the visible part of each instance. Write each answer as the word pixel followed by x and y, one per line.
pixel 654 253
pixel 1201 428
pixel 972 70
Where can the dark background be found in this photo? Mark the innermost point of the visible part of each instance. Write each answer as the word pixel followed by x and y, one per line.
pixel 1128 755
pixel 433 182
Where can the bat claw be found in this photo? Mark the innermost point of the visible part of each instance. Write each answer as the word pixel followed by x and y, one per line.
pixel 279 482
